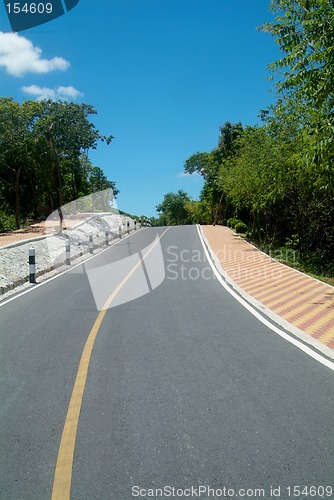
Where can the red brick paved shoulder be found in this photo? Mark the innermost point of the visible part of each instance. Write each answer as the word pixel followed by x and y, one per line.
pixel 301 300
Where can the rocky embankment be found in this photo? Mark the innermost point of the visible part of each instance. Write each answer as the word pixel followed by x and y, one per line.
pixel 50 249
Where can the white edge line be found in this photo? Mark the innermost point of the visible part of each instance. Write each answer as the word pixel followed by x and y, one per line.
pixel 329 364
pixel 34 287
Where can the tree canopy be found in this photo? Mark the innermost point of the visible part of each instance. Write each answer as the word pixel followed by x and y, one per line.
pixel 173 209
pixel 44 157
pixel 278 177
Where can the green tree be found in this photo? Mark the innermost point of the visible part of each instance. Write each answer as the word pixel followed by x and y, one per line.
pixel 208 165
pixel 68 134
pixel 173 209
pixel 263 182
pixel 16 150
pixel 304 30
pixel 43 156
pixel 98 181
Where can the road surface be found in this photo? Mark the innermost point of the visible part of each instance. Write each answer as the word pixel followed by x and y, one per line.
pixel 181 387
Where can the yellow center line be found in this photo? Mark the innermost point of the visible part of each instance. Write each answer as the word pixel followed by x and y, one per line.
pixel 63 472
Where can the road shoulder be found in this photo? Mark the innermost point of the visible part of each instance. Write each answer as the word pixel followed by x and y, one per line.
pixel 298 303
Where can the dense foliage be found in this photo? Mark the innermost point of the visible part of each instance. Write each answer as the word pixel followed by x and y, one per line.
pixel 278 178
pixel 44 158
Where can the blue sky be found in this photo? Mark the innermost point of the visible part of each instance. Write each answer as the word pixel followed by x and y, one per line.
pixel 163 75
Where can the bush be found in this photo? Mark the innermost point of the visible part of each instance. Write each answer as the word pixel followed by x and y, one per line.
pixel 240 227
pixel 232 222
pixel 7 222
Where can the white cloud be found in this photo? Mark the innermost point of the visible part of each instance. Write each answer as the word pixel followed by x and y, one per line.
pixel 39 92
pixel 186 174
pixel 59 93
pixel 19 56
pixel 69 92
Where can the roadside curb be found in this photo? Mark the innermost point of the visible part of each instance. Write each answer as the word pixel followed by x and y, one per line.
pixel 24 242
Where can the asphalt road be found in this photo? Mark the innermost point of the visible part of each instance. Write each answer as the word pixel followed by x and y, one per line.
pixel 185 387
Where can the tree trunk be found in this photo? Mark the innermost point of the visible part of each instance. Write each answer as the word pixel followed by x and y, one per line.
pixel 17 198
pixel 61 218
pixel 219 206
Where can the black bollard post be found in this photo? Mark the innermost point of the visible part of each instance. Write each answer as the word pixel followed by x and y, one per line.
pixel 107 236
pixel 91 244
pixel 68 252
pixel 32 265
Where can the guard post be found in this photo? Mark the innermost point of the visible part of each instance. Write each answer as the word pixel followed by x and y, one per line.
pixel 107 236
pixel 32 265
pixel 91 244
pixel 68 252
